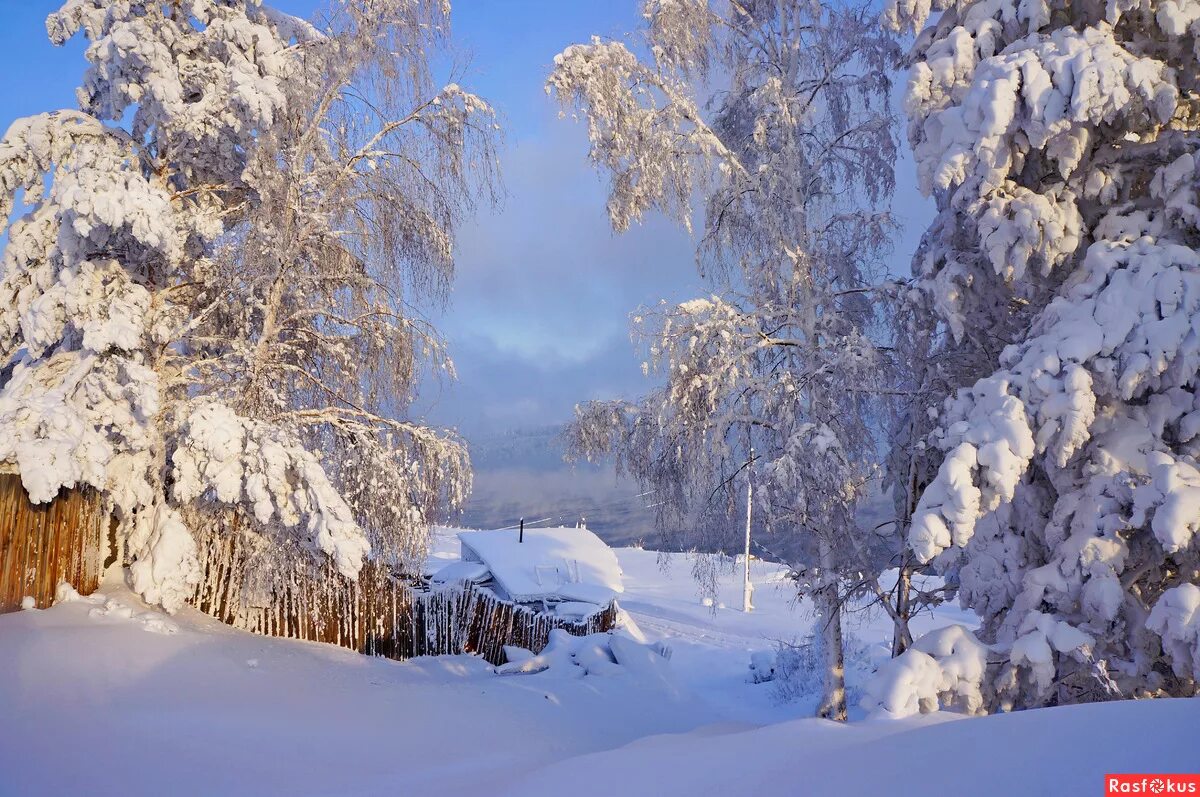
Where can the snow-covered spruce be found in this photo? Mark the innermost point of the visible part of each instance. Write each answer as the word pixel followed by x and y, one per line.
pixel 792 158
pixel 943 669
pixel 1060 140
pixel 206 271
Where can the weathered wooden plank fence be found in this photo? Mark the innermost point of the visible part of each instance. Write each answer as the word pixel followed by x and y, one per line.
pixel 44 544
pixel 378 614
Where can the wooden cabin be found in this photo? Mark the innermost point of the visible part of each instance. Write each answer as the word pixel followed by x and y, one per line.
pixel 567 571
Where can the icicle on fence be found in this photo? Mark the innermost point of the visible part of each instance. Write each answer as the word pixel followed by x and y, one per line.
pixel 43 544
pixel 378 614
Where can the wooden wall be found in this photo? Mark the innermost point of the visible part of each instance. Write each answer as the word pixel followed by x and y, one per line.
pixel 44 544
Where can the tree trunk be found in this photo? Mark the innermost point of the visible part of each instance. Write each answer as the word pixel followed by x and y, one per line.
pixel 901 635
pixel 829 615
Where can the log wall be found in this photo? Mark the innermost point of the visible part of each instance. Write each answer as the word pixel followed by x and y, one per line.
pixel 44 544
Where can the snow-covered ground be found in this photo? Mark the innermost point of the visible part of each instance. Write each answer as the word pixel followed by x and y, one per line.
pixel 711 649
pixel 111 699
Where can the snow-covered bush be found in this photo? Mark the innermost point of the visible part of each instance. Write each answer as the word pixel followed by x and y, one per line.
pixel 762 666
pixel 205 291
pixel 1060 141
pixel 1176 618
pixel 944 669
pixel 799 669
pixel 904 686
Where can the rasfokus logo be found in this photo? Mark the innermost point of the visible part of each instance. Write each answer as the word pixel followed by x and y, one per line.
pixel 1151 784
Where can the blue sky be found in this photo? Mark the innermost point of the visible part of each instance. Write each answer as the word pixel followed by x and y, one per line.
pixel 539 316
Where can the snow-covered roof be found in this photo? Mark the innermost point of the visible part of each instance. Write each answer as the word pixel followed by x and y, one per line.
pixel 569 564
pixel 455 572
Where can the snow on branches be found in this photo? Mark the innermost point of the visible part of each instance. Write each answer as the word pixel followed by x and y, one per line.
pixel 791 157
pixel 212 312
pixel 944 669
pixel 1060 141
pixel 234 459
pixel 643 125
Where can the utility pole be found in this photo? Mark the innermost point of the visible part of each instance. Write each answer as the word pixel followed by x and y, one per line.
pixel 747 587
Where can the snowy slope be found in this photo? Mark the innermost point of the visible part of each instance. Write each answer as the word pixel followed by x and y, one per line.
pixel 712 649
pixel 1060 751
pixel 712 645
pixel 101 705
pixel 95 701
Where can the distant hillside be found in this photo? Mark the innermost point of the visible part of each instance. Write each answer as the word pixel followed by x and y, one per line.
pixel 536 448
pixel 521 474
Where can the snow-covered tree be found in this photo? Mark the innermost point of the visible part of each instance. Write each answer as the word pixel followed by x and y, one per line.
pixel 1060 142
pixel 213 275
pixel 794 141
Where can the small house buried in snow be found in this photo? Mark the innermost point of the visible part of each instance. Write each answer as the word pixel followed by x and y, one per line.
pixel 568 571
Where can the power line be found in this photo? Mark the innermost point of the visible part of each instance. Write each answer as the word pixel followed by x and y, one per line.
pixel 592 508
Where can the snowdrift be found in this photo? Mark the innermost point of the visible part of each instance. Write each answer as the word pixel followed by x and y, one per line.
pixel 1057 751
pixel 110 698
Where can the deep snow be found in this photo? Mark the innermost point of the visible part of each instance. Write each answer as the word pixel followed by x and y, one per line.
pixel 102 700
pixel 538 563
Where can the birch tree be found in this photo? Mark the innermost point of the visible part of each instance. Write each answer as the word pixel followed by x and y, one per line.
pixel 213 305
pixel 791 157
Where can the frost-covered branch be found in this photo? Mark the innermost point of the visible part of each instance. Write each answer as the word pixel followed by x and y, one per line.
pixel 213 311
pixel 791 157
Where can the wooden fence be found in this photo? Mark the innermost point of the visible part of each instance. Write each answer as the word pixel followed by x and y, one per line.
pixel 44 544
pixel 378 614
